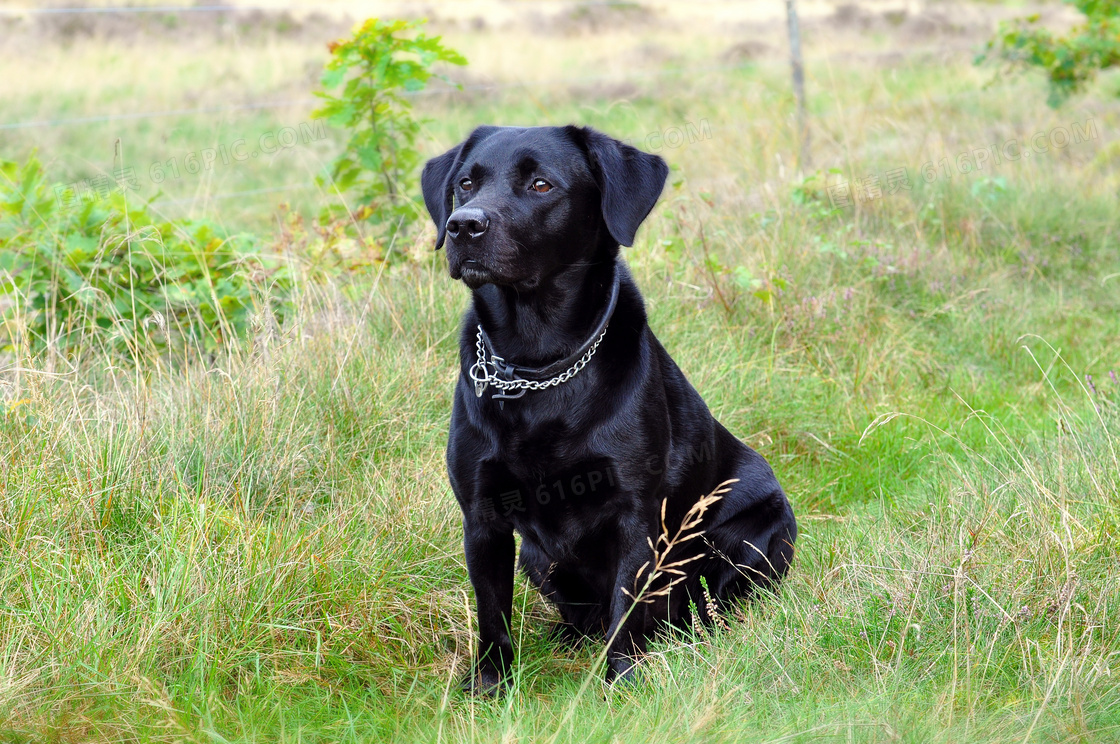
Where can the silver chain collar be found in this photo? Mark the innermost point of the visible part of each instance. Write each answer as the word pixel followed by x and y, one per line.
pixel 485 373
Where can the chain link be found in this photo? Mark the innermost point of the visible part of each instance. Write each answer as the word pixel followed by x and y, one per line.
pixel 482 376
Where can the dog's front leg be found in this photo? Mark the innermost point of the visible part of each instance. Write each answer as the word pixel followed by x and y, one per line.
pixel 490 555
pixel 629 619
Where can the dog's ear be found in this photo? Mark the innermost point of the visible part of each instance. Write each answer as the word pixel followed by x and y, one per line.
pixel 629 180
pixel 435 180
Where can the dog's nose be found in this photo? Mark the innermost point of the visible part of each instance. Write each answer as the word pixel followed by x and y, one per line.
pixel 467 223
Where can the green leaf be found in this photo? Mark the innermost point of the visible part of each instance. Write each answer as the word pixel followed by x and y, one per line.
pixel 375 67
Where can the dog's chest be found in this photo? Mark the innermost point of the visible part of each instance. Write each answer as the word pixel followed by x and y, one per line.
pixel 555 503
pixel 536 488
pixel 540 470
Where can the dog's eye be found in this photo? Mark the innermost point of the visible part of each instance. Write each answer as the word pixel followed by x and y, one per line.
pixel 541 186
pixel 466 184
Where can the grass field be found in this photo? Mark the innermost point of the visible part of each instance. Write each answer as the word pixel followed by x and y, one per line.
pixel 263 546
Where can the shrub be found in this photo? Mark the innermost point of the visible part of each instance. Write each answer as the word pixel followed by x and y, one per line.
pixel 1069 61
pixel 374 70
pixel 110 268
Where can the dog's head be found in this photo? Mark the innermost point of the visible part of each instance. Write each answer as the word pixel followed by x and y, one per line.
pixel 515 205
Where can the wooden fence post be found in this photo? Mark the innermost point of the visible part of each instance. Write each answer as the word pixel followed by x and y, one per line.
pixel 804 159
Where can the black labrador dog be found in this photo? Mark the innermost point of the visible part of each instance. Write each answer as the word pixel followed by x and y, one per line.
pixel 571 424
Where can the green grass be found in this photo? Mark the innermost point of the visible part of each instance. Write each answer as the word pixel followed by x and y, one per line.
pixel 264 546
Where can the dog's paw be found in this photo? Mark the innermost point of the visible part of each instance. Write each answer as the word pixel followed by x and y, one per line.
pixel 485 681
pixel 621 671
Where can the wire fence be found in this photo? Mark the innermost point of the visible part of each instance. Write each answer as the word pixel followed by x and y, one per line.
pixel 550 84
pixel 236 194
pixel 67 121
pixel 690 132
pixel 145 9
pixel 315 7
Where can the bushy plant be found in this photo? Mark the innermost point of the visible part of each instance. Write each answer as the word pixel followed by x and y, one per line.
pixel 108 270
pixel 364 91
pixel 1069 61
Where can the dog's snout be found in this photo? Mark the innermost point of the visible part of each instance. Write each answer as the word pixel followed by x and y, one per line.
pixel 468 223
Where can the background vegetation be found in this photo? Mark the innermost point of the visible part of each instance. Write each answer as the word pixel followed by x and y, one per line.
pixel 250 536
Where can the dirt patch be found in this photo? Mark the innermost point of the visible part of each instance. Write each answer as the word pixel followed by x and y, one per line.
pixel 934 22
pixel 583 20
pixel 853 16
pixel 929 23
pixel 225 25
pixel 651 54
pixel 747 51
